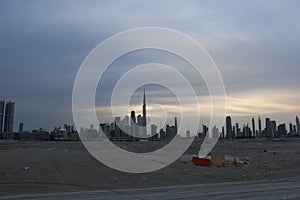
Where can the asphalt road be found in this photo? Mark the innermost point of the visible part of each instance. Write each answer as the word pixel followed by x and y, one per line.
pixel 283 189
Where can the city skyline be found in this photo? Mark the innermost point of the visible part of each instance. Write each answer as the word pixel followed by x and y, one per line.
pixel 255 45
pixel 136 127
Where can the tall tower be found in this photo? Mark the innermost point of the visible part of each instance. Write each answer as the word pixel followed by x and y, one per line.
pixel 259 126
pixel 228 128
pixel 144 119
pixel 297 124
pixel 144 109
pixel 253 128
pixel 2 106
pixel 176 128
pixel 9 116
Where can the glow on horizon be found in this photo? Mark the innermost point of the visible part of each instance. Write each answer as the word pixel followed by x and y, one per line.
pixel 247 103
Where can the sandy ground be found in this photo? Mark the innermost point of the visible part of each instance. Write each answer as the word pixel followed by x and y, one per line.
pixel 36 167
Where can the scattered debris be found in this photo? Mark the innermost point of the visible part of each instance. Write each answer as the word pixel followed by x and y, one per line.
pixel 218 161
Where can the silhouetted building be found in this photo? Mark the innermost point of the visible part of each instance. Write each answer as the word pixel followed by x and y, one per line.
pixel 117 127
pixel 175 124
pixel 204 130
pixel 132 117
pixel 291 129
pixel 133 123
pixel 282 132
pixel 2 107
pixel 9 116
pixel 297 125
pixel 223 132
pixel 170 132
pixel 228 128
pixel 259 127
pixel 144 119
pixel 246 132
pixel 253 128
pixel 21 127
pixel 162 134
pixel 270 128
pixel 238 131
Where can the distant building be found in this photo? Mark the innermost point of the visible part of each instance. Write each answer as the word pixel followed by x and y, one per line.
pixel 2 106
pixel 238 131
pixel 259 127
pixel 270 128
pixel 9 117
pixel 117 124
pixel 132 117
pixel 228 128
pixel 175 124
pixel 297 125
pixel 253 128
pixel 162 134
pixel 170 132
pixel 215 132
pixel 291 128
pixel 223 132
pixel 282 132
pixel 144 118
pixel 21 128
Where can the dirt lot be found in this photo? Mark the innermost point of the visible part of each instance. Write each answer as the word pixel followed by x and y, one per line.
pixel 34 167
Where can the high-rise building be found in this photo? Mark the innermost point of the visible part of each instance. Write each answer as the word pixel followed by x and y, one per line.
pixel 223 133
pixel 144 117
pixel 133 123
pixel 139 120
pixel 238 133
pixel 297 125
pixel 2 106
pixel 270 128
pixel 21 127
pixel 162 134
pixel 281 130
pixel 175 124
pixel 9 116
pixel 132 117
pixel 117 124
pixel 253 128
pixel 291 128
pixel 144 110
pixel 228 128
pixel 259 127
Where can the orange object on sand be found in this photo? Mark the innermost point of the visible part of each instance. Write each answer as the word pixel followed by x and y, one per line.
pixel 201 161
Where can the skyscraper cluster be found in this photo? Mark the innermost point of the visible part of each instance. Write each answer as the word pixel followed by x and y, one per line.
pixel 7 112
pixel 271 130
pixel 135 127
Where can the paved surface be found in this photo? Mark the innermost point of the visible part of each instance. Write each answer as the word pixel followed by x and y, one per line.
pixel 234 190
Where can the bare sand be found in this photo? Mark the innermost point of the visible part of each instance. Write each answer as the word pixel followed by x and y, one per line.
pixel 36 167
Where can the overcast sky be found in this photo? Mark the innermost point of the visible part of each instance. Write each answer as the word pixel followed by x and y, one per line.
pixel 256 45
